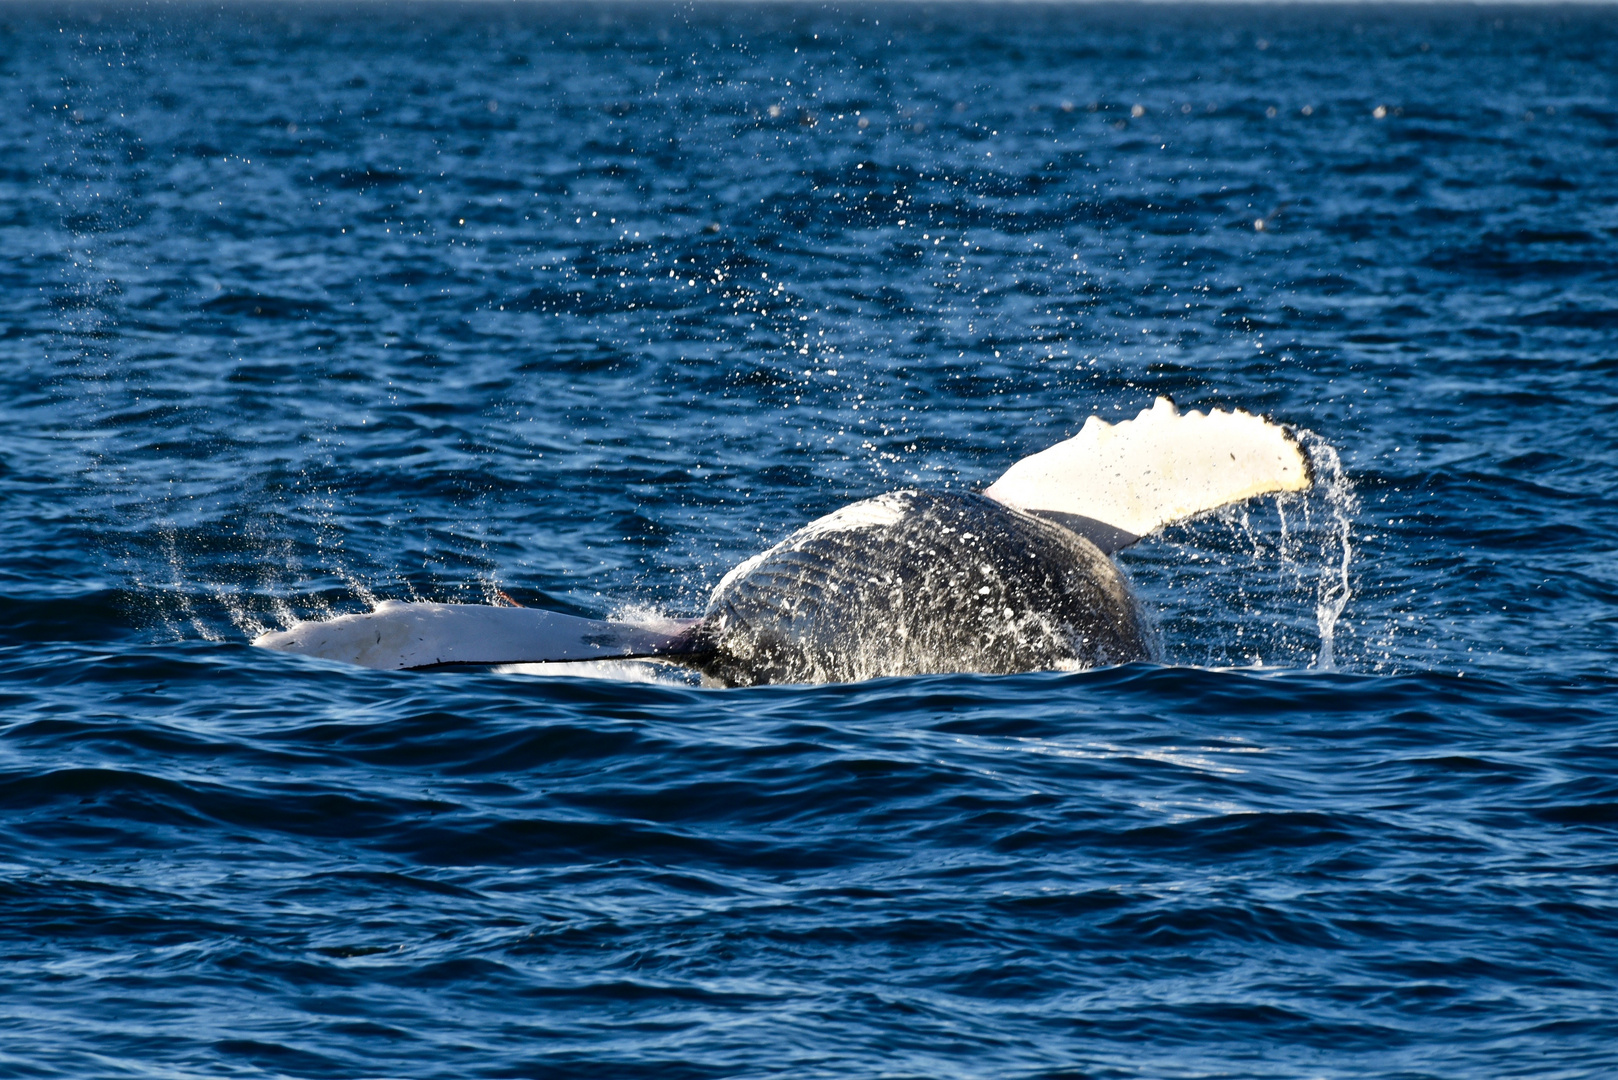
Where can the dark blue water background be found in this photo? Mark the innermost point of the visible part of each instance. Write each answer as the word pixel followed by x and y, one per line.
pixel 305 306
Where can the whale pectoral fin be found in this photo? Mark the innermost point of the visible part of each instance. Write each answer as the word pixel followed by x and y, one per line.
pixel 398 636
pixel 1115 483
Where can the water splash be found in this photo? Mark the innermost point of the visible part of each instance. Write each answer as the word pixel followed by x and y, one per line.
pixel 1263 583
pixel 1334 587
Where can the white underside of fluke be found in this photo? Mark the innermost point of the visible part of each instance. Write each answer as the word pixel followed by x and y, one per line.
pixel 398 635
pixel 1163 466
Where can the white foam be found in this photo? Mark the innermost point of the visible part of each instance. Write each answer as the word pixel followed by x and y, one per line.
pixel 628 671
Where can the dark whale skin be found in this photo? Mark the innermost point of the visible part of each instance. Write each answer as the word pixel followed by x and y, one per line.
pixel 954 582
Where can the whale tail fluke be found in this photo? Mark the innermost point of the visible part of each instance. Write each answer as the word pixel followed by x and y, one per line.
pixel 1115 483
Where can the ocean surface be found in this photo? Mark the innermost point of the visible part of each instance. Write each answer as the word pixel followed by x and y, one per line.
pixel 306 306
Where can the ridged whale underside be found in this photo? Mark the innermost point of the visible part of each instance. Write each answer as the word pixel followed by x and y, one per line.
pixel 914 583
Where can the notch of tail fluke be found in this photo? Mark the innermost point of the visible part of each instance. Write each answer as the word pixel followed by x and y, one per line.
pixel 1116 483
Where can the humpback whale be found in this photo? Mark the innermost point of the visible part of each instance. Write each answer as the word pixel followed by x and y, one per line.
pixel 1018 577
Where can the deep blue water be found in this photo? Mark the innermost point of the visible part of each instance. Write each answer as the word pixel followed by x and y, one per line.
pixel 303 306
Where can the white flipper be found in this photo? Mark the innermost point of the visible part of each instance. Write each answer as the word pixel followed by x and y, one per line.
pixel 1136 476
pixel 398 635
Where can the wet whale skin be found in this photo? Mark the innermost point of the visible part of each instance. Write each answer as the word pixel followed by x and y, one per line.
pixel 954 583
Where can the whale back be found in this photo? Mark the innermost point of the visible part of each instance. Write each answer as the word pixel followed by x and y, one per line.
pixel 916 583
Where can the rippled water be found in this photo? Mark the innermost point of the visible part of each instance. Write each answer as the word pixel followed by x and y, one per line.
pixel 306 306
